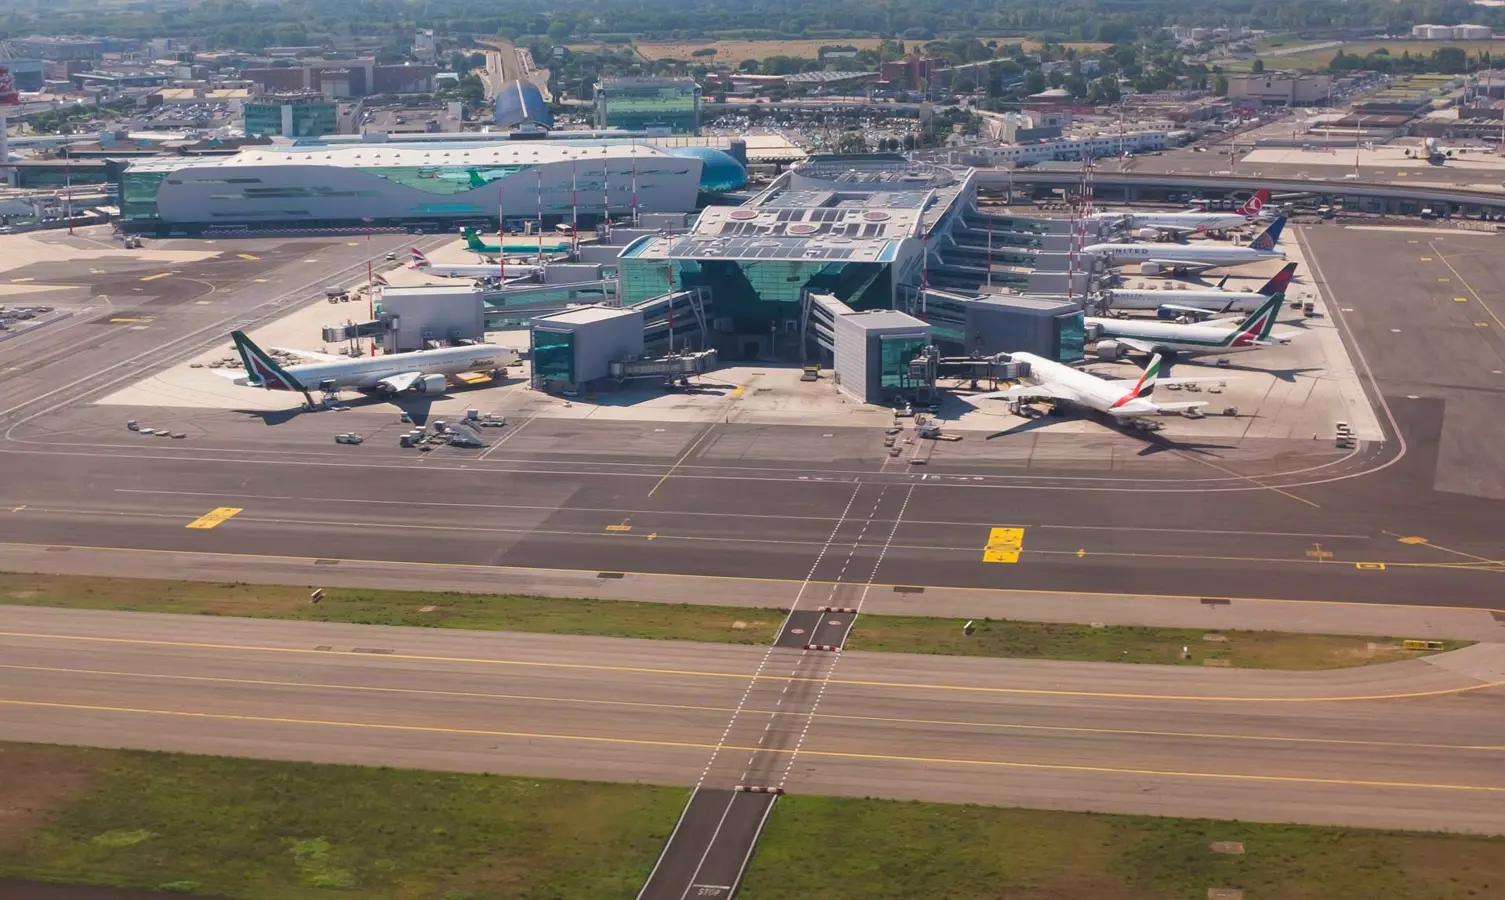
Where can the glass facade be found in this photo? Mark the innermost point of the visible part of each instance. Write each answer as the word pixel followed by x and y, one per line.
pixel 1071 337
pixel 755 293
pixel 895 352
pixel 138 195
pixel 652 103
pixel 307 118
pixel 554 356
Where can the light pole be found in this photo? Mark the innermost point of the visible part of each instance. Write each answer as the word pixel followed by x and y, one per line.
pixel 370 282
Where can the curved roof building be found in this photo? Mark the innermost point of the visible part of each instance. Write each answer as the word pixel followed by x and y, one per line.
pixel 719 170
pixel 520 103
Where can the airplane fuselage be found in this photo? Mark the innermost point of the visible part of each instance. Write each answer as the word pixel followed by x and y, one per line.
pixel 1242 301
pixel 1173 255
pixel 367 373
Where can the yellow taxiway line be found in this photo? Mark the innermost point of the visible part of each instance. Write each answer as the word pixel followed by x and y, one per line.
pixel 695 745
pixel 700 673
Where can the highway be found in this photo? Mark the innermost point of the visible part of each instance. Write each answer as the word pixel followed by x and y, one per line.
pixel 1408 745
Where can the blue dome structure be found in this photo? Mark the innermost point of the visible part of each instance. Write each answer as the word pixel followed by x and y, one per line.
pixel 520 103
pixel 719 172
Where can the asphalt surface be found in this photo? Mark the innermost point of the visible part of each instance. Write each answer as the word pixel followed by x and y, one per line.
pixel 1289 519
pixel 1408 745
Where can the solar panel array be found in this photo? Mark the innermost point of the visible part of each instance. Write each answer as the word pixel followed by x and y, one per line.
pixel 702 247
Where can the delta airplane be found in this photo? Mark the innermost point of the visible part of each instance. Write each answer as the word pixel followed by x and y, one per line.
pixel 1189 222
pixel 1118 336
pixel 1121 399
pixel 421 371
pixel 1155 259
pixel 1201 303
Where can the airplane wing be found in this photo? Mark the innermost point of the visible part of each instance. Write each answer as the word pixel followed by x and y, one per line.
pixel 1183 264
pixel 400 382
pixel 1179 230
pixel 310 354
pixel 1160 409
pixel 1136 344
pixel 1027 392
pixel 1201 314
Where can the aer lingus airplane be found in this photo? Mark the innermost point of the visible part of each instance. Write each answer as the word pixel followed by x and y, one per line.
pixel 1124 399
pixel 1119 336
pixel 423 264
pixel 422 371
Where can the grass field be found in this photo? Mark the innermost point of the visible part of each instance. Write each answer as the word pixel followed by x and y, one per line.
pixel 687 622
pixel 1047 640
pixel 254 829
pixel 297 831
pixel 853 849
pixel 1318 59
pixel 734 52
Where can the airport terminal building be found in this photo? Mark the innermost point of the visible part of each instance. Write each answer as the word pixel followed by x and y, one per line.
pixel 429 186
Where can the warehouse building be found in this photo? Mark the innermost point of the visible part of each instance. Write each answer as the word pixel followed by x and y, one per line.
pixel 425 186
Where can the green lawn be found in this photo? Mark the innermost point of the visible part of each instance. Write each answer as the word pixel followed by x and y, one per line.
pixel 1048 640
pixel 254 829
pixel 1319 59
pixel 690 622
pixel 856 849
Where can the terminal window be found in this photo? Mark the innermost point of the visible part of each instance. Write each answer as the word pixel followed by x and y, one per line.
pixel 554 356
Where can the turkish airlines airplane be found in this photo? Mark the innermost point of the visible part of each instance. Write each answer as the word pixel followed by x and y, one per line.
pixel 1151 225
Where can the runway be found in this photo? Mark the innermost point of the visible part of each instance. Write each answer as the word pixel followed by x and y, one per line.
pixel 1409 745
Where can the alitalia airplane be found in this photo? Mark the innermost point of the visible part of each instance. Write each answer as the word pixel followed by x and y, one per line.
pixel 1200 303
pixel 1123 399
pixel 1154 259
pixel 1119 336
pixel 422 371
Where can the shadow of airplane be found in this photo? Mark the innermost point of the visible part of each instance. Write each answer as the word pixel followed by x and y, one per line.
pixel 1286 375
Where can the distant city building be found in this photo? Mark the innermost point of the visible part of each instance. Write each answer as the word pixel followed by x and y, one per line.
pixel 424 45
pixel 1452 32
pixel 1281 90
pixel 356 77
pixel 913 72
pixel 28 73
pixel 304 114
pixel 638 104
pixel 69 46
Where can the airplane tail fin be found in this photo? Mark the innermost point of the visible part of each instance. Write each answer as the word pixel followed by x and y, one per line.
pixel 1270 237
pixel 1280 281
pixel 1222 281
pixel 472 240
pixel 262 370
pixel 1253 205
pixel 420 259
pixel 1256 328
pixel 1145 386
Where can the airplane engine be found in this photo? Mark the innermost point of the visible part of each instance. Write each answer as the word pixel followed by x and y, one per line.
pixel 1109 351
pixel 432 384
pixel 1149 268
pixel 1147 234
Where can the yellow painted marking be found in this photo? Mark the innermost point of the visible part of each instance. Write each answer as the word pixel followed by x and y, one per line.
pixel 261 281
pixel 738 391
pixel 687 707
pixel 1004 545
pixel 1411 539
pixel 18 508
pixel 619 528
pixel 1426 259
pixel 1377 567
pixel 1481 324
pixel 156 276
pixel 21 280
pixel 1319 554
pixel 1413 242
pixel 1470 288
pixel 699 673
pixel 829 754
pixel 214 517
pixel 248 256
pixel 1460 299
pixel 354 244
pixel 1445 281
pixel 122 320
pixel 490 569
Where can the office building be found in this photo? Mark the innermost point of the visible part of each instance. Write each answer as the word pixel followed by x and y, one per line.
pixel 293 115
pixel 640 104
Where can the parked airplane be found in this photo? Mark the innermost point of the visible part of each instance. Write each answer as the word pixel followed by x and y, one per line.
pixel 422 264
pixel 1433 152
pixel 1154 259
pixel 1151 225
pixel 422 371
pixel 1119 336
pixel 474 243
pixel 1060 383
pixel 1200 303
